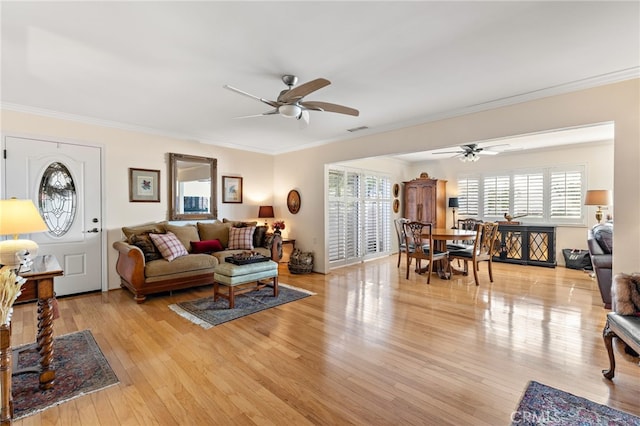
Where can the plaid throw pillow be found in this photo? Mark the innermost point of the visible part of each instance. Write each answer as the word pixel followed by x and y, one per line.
pixel 169 245
pixel 241 238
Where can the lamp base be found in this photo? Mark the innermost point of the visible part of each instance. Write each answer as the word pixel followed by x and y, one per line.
pixel 18 254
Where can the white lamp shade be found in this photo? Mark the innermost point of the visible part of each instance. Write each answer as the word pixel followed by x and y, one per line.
pixel 18 217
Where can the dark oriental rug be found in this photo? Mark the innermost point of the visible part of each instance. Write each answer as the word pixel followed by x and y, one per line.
pixel 207 313
pixel 544 405
pixel 80 367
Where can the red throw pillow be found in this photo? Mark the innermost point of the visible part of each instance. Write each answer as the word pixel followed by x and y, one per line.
pixel 206 246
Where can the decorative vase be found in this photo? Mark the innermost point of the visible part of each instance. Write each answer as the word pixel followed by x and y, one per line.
pixel 276 230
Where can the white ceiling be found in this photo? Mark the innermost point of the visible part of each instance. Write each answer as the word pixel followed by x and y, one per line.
pixel 161 66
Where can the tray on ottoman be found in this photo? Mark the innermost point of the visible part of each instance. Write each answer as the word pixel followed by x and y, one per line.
pixel 246 258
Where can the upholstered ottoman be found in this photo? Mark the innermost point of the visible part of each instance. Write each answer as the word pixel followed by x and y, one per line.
pixel 239 279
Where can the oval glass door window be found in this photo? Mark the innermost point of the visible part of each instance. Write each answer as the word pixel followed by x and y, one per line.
pixel 57 198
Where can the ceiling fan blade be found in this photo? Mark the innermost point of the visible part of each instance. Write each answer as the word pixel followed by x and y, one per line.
pixel 303 119
pixel 326 106
pixel 486 152
pixel 242 92
pixel 273 112
pixel 449 152
pixel 303 90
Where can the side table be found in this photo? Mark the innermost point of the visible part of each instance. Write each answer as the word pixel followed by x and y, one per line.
pixel 285 259
pixel 39 286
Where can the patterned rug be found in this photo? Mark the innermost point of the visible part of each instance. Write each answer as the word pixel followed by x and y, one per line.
pixel 544 405
pixel 80 366
pixel 207 313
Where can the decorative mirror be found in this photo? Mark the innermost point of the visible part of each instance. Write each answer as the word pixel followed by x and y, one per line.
pixel 192 189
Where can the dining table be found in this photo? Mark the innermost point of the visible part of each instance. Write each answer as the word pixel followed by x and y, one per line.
pixel 440 237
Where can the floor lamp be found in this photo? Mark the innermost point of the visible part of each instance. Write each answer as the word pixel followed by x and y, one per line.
pixel 453 202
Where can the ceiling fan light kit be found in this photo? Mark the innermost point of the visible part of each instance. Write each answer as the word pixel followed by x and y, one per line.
pixel 290 102
pixel 290 111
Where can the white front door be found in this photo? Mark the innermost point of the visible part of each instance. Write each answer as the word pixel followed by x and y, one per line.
pixel 63 180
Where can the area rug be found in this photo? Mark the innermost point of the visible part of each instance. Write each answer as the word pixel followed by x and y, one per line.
pixel 207 313
pixel 80 366
pixel 544 405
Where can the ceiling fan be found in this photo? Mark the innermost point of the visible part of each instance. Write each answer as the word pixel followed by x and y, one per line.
pixel 470 152
pixel 290 102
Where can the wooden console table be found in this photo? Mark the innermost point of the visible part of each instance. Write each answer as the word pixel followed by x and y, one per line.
pixel 39 286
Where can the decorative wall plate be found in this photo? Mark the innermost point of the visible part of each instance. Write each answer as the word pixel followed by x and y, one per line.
pixel 293 201
pixel 396 205
pixel 396 190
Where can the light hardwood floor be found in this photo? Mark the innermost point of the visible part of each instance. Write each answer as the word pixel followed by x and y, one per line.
pixel 371 348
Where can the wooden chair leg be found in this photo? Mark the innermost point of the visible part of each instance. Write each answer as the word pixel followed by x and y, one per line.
pixel 490 271
pixel 430 272
pixel 475 273
pixel 399 257
pixel 408 265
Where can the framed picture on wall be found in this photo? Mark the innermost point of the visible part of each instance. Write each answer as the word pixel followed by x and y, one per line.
pixel 231 189
pixel 144 185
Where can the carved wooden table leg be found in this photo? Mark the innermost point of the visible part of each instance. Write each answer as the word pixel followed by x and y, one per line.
pixel 6 413
pixel 45 342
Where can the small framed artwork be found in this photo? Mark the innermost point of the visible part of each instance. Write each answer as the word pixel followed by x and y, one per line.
pixel 396 190
pixel 231 189
pixel 144 185
pixel 396 205
pixel 293 201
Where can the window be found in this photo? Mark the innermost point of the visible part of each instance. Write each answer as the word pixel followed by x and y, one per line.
pixel 359 212
pixel 468 196
pixel 551 195
pixel 496 195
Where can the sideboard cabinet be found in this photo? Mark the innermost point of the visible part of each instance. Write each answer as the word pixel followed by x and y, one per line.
pixel 527 245
pixel 425 201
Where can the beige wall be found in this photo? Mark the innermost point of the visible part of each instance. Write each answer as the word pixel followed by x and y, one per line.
pixel 123 149
pixel 268 179
pixel 619 103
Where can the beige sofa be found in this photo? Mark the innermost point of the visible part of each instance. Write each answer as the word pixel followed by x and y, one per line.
pixel 144 271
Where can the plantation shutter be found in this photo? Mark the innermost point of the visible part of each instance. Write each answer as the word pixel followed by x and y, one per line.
pixel 359 214
pixel 469 196
pixel 528 195
pixel 566 195
pixel 496 195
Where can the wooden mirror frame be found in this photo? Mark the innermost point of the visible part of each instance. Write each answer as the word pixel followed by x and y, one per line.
pixel 174 214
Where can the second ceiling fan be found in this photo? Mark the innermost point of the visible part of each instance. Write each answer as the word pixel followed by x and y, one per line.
pixel 470 152
pixel 290 102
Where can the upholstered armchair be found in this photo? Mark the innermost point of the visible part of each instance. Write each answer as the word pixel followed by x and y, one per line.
pixel 600 242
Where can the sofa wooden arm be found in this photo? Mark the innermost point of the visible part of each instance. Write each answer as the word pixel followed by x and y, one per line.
pixel 276 248
pixel 130 264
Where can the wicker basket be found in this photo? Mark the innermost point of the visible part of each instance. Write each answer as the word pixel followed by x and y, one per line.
pixel 300 262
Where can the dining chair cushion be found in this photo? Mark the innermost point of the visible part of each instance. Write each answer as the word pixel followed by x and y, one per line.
pixel 468 252
pixel 454 246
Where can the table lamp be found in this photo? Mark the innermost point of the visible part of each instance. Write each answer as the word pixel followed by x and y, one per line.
pixel 19 217
pixel 598 197
pixel 453 202
pixel 265 212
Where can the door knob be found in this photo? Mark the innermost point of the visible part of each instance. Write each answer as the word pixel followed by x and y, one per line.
pixel 92 231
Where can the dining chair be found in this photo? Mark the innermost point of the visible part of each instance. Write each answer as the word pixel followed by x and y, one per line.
pixel 402 244
pixel 422 250
pixel 467 224
pixel 483 250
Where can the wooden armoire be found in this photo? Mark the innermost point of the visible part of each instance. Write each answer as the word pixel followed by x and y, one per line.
pixel 425 201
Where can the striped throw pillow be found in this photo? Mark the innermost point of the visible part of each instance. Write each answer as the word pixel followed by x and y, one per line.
pixel 169 245
pixel 241 238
